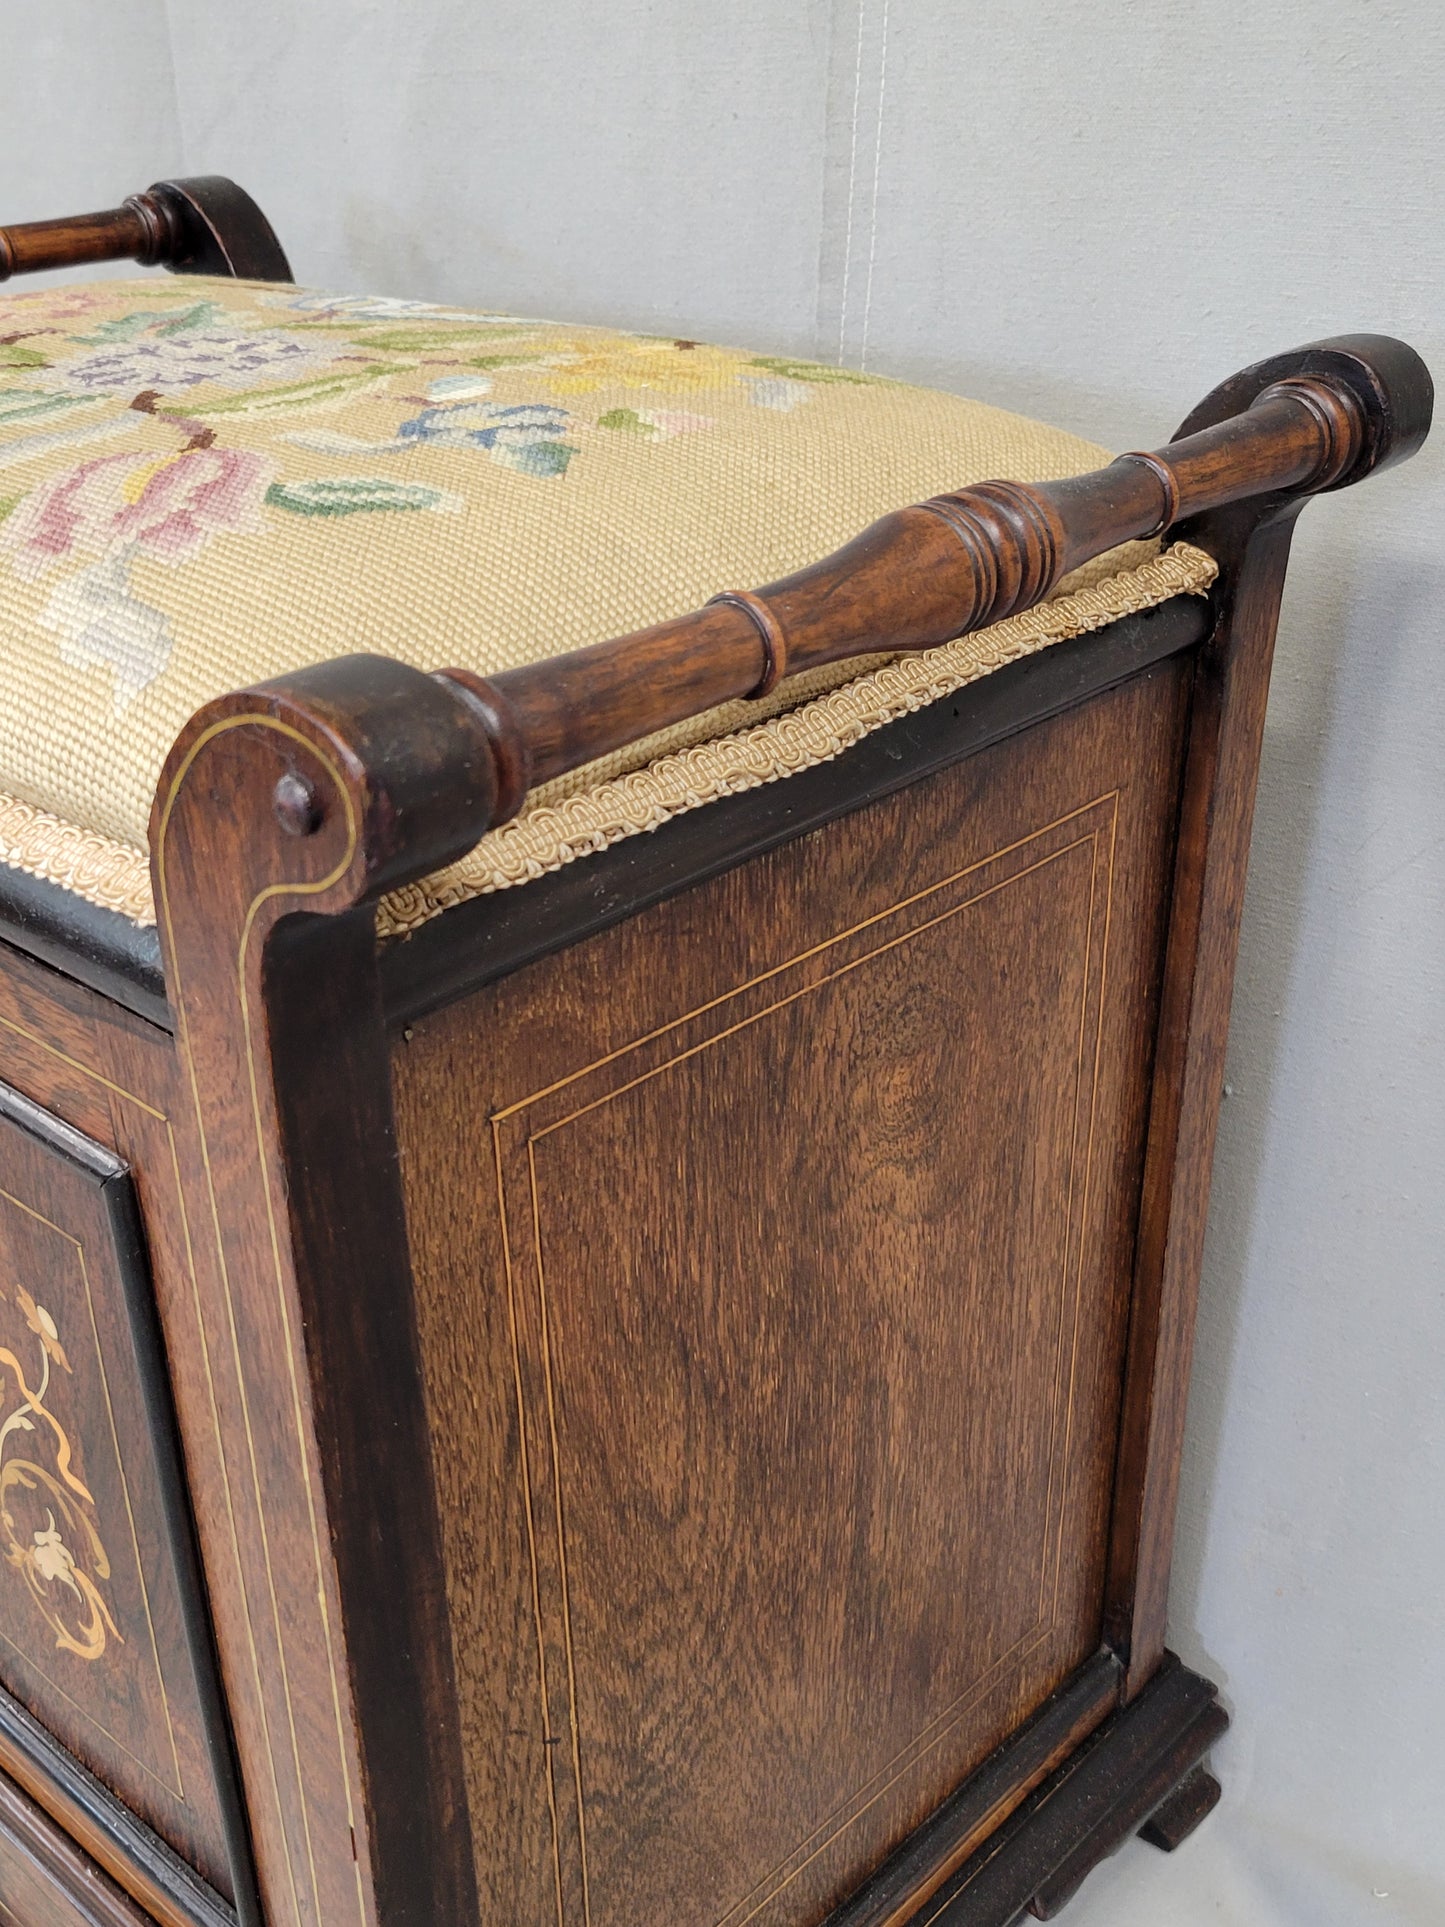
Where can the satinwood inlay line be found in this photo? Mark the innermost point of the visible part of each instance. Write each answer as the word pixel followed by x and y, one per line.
pixel 263 720
pixel 521 1228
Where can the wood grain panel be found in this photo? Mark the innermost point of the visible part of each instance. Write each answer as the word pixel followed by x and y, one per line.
pixel 774 1256
pixel 112 1076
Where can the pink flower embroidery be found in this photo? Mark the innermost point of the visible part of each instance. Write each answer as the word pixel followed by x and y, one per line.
pixel 191 497
pixel 167 507
pixel 57 304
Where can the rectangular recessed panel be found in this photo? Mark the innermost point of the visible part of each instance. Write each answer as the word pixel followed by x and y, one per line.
pixel 786 1331
pixel 867 1243
pixel 92 1635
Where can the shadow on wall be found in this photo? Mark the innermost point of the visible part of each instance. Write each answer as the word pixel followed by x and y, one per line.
pixel 1347 591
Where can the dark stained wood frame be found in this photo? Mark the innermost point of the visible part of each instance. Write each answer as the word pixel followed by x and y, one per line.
pixel 357 776
pixel 202 225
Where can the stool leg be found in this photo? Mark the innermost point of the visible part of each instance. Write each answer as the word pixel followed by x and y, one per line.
pixel 1196 1796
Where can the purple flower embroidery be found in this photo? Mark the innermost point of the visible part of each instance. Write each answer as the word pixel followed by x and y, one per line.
pixel 228 357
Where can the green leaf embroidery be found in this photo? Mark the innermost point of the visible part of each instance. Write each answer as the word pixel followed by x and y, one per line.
pixel 626 419
pixel 27 404
pixel 354 496
pixel 458 338
pixel 12 355
pixel 811 371
pixel 520 360
pixel 299 394
pixel 9 502
pixel 201 314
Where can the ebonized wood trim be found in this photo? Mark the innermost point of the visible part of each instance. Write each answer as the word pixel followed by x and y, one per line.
pixel 97 947
pixel 1039 1858
pixel 134 1857
pixel 477 942
pixel 936 1850
pixel 73 1891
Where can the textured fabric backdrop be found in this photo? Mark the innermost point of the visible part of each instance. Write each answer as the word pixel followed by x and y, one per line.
pixel 1089 214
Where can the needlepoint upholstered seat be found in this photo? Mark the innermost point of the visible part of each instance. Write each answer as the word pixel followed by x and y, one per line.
pixel 210 483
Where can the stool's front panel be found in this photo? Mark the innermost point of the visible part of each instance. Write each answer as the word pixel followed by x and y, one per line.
pixel 774 1250
pixel 93 1641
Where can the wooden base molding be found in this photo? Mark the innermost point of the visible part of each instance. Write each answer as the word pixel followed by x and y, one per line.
pixel 1139 1772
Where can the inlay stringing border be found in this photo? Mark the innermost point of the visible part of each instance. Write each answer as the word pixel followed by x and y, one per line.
pixel 519 1127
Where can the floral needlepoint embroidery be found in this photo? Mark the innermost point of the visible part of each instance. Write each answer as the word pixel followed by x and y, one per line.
pixel 371 307
pixel 627 420
pixel 30 404
pixel 814 371
pixel 157 321
pixel 451 388
pixel 116 508
pixel 228 357
pixel 521 437
pixel 103 625
pixel 777 391
pixel 357 496
pixel 170 506
pixel 662 423
pixel 668 422
pixel 146 425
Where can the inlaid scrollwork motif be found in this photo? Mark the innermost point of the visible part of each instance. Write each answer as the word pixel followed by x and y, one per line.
pixel 47 1520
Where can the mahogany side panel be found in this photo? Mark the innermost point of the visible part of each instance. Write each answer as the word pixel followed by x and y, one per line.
pixel 766 1247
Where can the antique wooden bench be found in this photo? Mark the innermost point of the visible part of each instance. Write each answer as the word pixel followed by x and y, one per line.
pixel 599 1238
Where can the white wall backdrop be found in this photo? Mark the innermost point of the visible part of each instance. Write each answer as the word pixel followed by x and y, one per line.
pixel 1092 213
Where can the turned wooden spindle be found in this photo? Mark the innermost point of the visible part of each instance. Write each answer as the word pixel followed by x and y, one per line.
pixel 202 225
pixel 1316 419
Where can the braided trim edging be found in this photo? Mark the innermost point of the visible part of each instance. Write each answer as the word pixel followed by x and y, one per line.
pixel 106 872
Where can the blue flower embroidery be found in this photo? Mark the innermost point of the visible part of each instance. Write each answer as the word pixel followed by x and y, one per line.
pixel 524 436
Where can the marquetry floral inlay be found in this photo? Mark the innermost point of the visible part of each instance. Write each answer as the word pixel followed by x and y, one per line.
pixel 47 1513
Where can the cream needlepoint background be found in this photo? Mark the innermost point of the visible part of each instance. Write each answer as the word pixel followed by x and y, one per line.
pixel 210 483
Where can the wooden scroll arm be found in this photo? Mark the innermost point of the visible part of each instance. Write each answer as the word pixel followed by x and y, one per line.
pixel 204 225
pixel 1318 418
